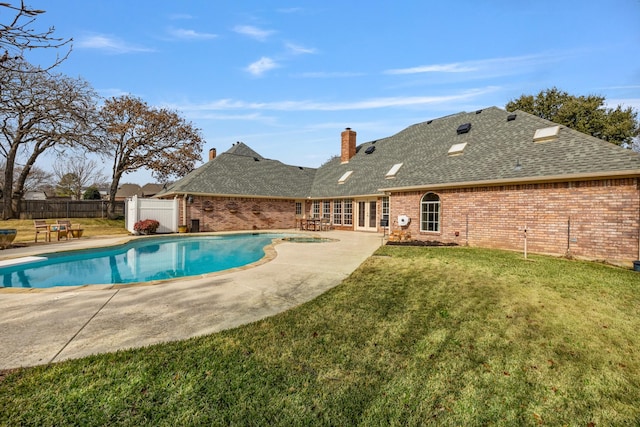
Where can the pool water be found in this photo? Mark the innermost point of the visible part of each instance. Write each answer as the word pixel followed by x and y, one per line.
pixel 140 260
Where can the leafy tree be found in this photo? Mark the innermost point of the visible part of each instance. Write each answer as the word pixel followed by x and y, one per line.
pixel 39 112
pixel 586 114
pixel 16 36
pixel 91 193
pixel 139 136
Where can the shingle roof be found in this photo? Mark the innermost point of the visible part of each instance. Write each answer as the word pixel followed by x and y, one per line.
pixel 241 171
pixel 494 146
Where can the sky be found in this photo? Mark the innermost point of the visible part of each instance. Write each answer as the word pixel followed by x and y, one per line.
pixel 286 77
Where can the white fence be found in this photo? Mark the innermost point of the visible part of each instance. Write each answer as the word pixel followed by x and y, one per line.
pixel 166 212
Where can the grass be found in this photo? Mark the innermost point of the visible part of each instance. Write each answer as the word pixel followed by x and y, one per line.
pixel 92 227
pixel 415 336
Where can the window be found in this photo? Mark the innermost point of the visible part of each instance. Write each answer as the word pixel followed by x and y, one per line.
pixel 430 213
pixel 348 212
pixel 316 209
pixel 457 148
pixel 326 209
pixel 385 210
pixel 546 134
pixel 344 177
pixel 342 212
pixel 298 208
pixel 393 171
pixel 337 212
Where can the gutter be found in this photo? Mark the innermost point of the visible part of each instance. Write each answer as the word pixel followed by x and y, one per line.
pixel 510 181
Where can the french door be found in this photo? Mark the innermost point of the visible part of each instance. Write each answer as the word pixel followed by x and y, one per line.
pixel 366 215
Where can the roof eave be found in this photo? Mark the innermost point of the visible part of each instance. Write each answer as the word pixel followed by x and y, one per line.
pixel 635 173
pixel 244 196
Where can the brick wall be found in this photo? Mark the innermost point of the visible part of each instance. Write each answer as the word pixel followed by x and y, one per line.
pixel 596 220
pixel 229 214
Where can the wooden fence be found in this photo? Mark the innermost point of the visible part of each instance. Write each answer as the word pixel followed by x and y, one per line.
pixel 46 209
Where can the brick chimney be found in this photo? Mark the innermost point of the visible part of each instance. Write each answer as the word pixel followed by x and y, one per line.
pixel 348 145
pixel 212 154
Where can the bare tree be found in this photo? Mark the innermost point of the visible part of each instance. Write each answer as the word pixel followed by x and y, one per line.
pixel 75 174
pixel 16 36
pixel 138 136
pixel 38 178
pixel 39 112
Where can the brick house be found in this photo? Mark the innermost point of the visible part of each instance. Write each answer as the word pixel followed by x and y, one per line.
pixel 487 178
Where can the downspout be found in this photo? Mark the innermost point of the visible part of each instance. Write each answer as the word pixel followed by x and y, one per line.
pixel 184 209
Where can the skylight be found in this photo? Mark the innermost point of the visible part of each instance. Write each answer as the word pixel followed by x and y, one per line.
pixel 344 177
pixel 394 170
pixel 457 148
pixel 546 134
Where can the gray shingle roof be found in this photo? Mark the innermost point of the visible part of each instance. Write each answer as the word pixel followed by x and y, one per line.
pixel 494 146
pixel 241 171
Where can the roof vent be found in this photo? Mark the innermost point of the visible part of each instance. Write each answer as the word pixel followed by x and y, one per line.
pixel 463 128
pixel 255 159
pixel 478 111
pixel 511 117
pixel 429 122
pixel 370 149
pixel 546 134
pixel 301 168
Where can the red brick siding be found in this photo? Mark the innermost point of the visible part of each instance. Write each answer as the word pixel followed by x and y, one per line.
pixel 216 213
pixel 602 216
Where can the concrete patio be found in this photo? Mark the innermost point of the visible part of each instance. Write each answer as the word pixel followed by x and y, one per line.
pixel 50 325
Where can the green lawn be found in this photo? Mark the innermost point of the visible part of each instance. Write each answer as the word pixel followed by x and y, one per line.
pixel 439 336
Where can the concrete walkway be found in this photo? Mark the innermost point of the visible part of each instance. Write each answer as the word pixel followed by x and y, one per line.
pixel 45 326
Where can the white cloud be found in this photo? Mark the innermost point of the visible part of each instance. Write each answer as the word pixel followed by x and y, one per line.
pixel 439 68
pixel 109 44
pixel 191 34
pixel 624 102
pixel 366 104
pixel 253 32
pixel 299 50
pixel 491 66
pixel 261 66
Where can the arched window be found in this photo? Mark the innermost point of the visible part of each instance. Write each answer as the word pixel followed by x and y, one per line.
pixel 430 212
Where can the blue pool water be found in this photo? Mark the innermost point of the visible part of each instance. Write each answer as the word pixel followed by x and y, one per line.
pixel 140 260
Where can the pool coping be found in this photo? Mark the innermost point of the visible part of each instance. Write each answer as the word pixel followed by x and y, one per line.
pixel 269 254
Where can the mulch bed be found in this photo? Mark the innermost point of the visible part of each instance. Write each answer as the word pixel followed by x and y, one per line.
pixel 421 243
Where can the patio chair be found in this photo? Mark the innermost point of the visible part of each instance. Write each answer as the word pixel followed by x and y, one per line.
pixel 62 228
pixel 41 226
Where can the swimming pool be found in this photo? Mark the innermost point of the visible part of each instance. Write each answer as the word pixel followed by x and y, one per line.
pixel 140 260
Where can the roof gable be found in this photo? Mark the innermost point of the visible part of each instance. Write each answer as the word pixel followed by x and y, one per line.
pixel 241 171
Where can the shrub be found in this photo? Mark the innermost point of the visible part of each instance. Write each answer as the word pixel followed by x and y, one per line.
pixel 146 226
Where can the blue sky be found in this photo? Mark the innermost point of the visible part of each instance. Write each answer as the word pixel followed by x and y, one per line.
pixel 286 77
